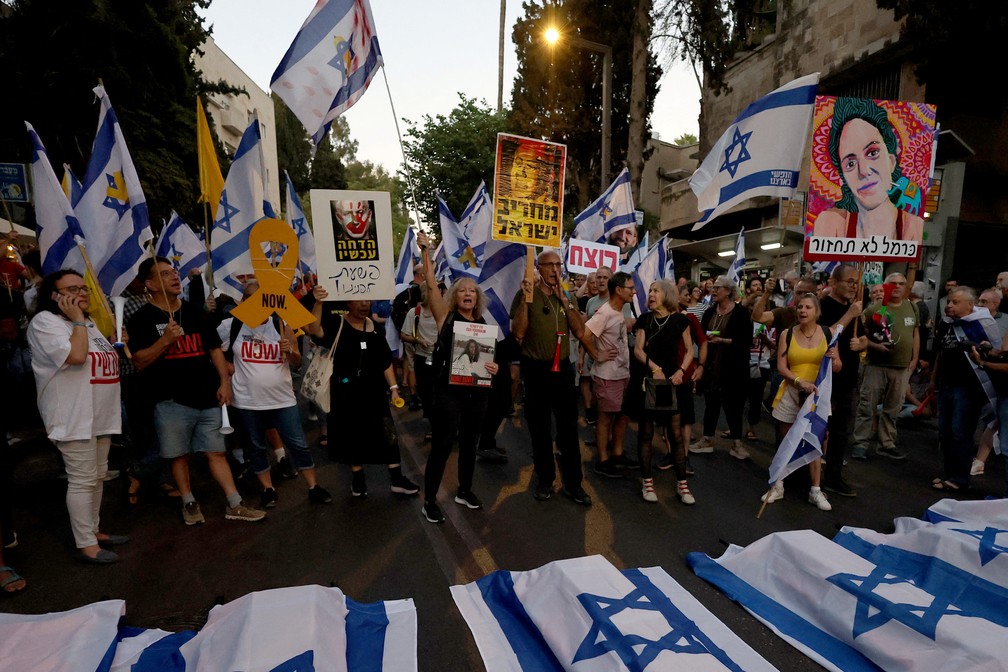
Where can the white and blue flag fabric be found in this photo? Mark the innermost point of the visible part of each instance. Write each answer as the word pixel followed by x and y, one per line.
pixel 409 256
pixel 180 244
pixel 658 264
pixel 803 443
pixel 241 206
pixel 57 227
pixel 760 153
pixel 465 240
pixel 329 65
pixel 607 214
pixel 637 256
pixel 980 511
pixel 440 260
pixel 72 187
pixel 112 209
pixel 930 596
pixel 67 641
pixel 307 262
pixel 585 615
pixel 735 270
pixel 500 279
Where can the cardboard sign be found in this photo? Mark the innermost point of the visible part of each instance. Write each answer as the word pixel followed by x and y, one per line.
pixel 528 191
pixel 584 256
pixel 353 243
pixel 473 347
pixel 274 295
pixel 871 171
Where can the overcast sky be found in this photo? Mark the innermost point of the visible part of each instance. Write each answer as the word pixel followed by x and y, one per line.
pixel 433 50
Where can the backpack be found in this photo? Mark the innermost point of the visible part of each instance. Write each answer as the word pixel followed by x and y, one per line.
pixel 403 303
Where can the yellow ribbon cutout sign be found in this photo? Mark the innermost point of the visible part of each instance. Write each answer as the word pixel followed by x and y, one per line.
pixel 274 295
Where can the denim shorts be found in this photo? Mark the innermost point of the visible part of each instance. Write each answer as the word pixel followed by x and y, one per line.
pixel 183 430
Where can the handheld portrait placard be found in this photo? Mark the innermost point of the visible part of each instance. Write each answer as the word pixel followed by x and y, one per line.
pixel 528 191
pixel 871 168
pixel 353 243
pixel 473 347
pixel 274 293
pixel 585 256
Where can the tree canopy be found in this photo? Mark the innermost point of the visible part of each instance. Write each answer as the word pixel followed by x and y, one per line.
pixel 55 51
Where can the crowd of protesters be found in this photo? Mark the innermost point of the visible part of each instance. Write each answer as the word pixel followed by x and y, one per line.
pixel 163 394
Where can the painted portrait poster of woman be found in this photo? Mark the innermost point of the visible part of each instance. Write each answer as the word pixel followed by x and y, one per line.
pixel 871 167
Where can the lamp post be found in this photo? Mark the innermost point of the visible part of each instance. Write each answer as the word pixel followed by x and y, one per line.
pixel 552 36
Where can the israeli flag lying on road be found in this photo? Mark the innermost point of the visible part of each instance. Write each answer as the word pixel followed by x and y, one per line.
pixel 73 640
pixel 760 153
pixel 931 596
pixel 990 511
pixel 609 213
pixel 584 615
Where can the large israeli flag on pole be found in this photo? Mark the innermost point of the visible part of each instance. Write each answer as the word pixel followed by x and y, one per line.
pixel 182 246
pixel 804 441
pixel 657 265
pixel 241 207
pixel 409 256
pixel 306 241
pixel 112 209
pixel 78 639
pixel 735 270
pixel 57 226
pixel 584 615
pixel 610 212
pixel 500 279
pixel 329 65
pixel 760 153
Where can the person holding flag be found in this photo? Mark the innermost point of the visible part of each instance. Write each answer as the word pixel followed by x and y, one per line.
pixel 800 353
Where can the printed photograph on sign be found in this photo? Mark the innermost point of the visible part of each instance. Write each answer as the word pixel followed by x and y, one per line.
pixel 871 167
pixel 473 348
pixel 353 239
pixel 528 190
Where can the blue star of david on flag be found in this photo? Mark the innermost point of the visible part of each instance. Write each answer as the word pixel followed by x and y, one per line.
pixel 339 60
pixel 740 141
pixel 635 651
pixel 606 210
pixel 229 211
pixel 989 548
pixel 299 226
pixel 116 197
pixel 468 256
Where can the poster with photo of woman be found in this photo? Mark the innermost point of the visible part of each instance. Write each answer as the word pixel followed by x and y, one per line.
pixel 871 171
pixel 473 348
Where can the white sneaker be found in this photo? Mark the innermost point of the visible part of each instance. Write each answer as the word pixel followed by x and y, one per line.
pixel 977 469
pixel 818 497
pixel 738 451
pixel 773 494
pixel 704 445
pixel 647 490
pixel 685 496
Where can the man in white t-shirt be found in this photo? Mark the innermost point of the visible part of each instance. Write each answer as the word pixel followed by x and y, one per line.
pixel 609 332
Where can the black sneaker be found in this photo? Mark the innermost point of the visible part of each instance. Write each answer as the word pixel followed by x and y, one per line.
pixel 624 461
pixel 543 492
pixel 578 496
pixel 840 487
pixel 607 469
pixel 690 471
pixel 286 469
pixel 496 455
pixel 268 498
pixel 319 495
pixel 893 453
pixel 467 498
pixel 591 415
pixel 403 486
pixel 665 462
pixel 358 486
pixel 432 512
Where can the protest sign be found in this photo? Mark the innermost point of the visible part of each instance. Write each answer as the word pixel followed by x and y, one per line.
pixel 353 243
pixel 473 347
pixel 585 257
pixel 871 170
pixel 528 191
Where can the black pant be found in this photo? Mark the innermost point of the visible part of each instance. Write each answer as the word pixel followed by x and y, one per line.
pixel 458 412
pixel 756 387
pixel 498 407
pixel 843 406
pixel 731 395
pixel 424 382
pixel 552 394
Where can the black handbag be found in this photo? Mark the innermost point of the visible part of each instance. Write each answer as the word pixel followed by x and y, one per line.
pixel 659 395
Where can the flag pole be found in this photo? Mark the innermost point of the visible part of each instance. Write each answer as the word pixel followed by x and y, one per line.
pixel 206 242
pixel 406 166
pixel 164 292
pixel 762 508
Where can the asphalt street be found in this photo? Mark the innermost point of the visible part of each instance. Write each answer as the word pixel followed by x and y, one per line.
pixel 380 547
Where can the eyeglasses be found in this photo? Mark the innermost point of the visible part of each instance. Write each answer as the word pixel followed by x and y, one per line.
pixel 74 289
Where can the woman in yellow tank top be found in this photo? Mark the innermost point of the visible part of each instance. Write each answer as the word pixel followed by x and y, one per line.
pixel 798 363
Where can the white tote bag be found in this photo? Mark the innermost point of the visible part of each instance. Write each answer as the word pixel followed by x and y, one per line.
pixel 315 384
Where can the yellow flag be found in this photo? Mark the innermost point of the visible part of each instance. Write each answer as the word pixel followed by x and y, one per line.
pixel 99 308
pixel 211 181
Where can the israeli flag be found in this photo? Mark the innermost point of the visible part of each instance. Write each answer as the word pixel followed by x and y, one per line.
pixel 57 226
pixel 68 641
pixel 442 271
pixel 409 256
pixel 760 153
pixel 500 279
pixel 657 265
pixel 637 256
pixel 306 241
pixel 182 246
pixel 984 511
pixel 72 187
pixel 804 441
pixel 929 597
pixel 735 270
pixel 329 65
pixel 241 207
pixel 610 212
pixel 154 650
pixel 112 209
pixel 584 615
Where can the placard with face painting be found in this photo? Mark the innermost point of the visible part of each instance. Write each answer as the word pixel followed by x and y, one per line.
pixel 353 239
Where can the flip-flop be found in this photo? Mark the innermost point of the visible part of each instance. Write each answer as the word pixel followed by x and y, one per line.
pixel 941 484
pixel 726 434
pixel 323 441
pixel 751 436
pixel 13 578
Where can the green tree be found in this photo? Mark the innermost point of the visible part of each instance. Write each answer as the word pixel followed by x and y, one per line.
pixel 293 144
pixel 55 51
pixel 685 140
pixel 557 93
pixel 451 155
pixel 700 33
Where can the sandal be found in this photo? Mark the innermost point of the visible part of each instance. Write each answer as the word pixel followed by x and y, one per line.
pixel 12 578
pixel 726 434
pixel 133 491
pixel 942 484
pixel 750 436
pixel 323 441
